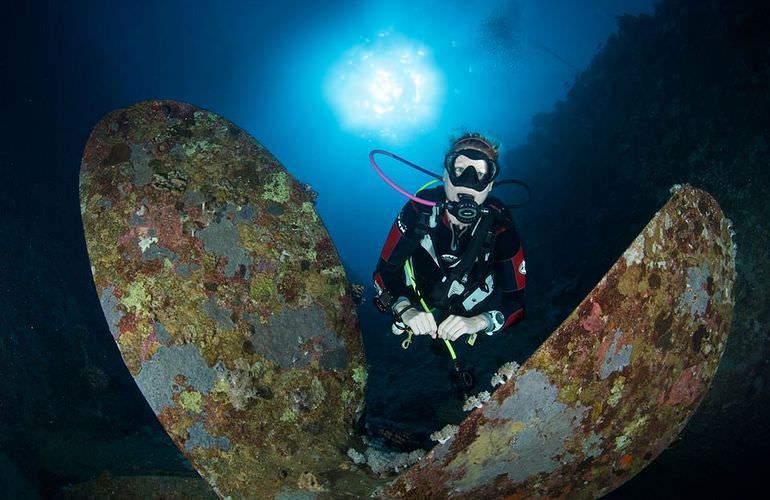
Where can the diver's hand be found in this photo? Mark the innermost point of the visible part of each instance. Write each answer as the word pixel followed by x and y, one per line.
pixel 454 327
pixel 420 322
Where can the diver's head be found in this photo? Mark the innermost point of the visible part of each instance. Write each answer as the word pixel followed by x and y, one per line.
pixel 470 168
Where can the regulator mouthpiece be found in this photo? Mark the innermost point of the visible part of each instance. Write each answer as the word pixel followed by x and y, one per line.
pixel 466 210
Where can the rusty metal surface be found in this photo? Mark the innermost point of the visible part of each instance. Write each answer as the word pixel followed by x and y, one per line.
pixel 614 384
pixel 225 296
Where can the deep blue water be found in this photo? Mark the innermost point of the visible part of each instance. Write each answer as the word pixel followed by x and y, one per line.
pixel 263 66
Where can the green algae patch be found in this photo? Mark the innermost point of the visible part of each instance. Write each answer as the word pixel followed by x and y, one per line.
pixel 191 401
pixel 136 297
pixel 263 290
pixel 486 445
pixel 631 282
pixel 359 376
pixel 616 391
pixel 278 189
pixel 289 415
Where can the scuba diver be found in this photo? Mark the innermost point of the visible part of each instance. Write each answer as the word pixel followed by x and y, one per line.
pixel 452 266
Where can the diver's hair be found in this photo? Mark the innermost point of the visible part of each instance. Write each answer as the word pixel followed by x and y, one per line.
pixel 474 140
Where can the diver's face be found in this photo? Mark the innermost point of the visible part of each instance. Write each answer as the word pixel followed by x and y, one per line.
pixel 461 163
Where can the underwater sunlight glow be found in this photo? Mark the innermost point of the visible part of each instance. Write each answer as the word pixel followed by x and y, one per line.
pixel 388 87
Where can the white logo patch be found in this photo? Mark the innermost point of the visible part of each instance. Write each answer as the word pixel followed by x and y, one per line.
pixel 456 289
pixel 449 258
pixel 401 226
pixel 523 268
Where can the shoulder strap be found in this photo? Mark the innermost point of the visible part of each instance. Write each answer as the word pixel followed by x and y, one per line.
pixel 425 222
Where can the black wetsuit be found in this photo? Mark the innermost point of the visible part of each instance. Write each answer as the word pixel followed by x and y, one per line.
pixel 504 270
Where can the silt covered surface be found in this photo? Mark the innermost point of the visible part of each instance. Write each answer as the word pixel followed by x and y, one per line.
pixel 225 296
pixel 614 384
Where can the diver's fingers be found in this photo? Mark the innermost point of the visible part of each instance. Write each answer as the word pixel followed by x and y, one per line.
pixel 413 321
pixel 417 327
pixel 457 332
pixel 457 328
pixel 423 321
pixel 433 329
pixel 441 331
pixel 446 326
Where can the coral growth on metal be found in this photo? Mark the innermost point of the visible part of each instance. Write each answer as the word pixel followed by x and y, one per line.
pixel 225 296
pixel 614 384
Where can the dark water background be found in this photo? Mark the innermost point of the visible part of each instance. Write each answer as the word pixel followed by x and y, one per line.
pixel 69 410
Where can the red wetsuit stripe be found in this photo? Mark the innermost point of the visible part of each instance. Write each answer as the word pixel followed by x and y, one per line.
pixel 390 244
pixel 513 318
pixel 517 260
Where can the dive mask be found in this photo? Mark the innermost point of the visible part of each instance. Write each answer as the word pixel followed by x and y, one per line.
pixel 469 177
